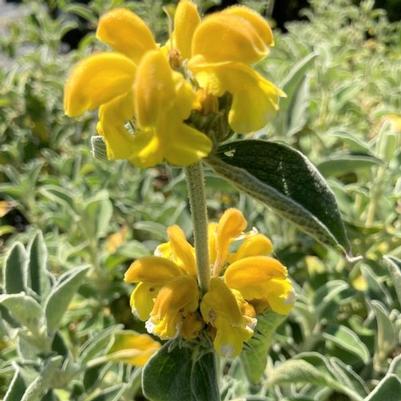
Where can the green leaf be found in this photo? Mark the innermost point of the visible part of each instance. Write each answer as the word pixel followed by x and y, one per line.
pixel 394 266
pixel 388 389
pixel 14 270
pixel 340 165
pixel 24 309
pixel 61 295
pixel 16 388
pixel 386 337
pixel 285 180
pixel 293 108
pixel 97 216
pixel 167 375
pixel 204 378
pixel 43 382
pixel 37 275
pixel 295 371
pixel 254 355
pixel 113 393
pixel 395 366
pixel 348 340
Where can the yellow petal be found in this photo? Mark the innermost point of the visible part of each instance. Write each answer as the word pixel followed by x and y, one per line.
pixel 133 348
pixel 152 270
pixel 175 300
pixel 222 309
pixel 112 118
pixel 252 276
pixel 148 150
pixel 185 145
pixel 125 32
pixel 253 245
pixel 231 225
pixel 280 296
pixel 255 99
pixel 229 37
pixel 220 302
pixel 154 88
pixel 181 249
pixel 256 20
pixel 211 230
pixel 142 299
pixel 186 20
pixel 97 80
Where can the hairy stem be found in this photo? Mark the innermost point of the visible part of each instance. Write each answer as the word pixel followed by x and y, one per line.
pixel 197 199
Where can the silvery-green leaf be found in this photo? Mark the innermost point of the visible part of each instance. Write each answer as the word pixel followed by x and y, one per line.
pixel 343 164
pixel 17 387
pixel 386 337
pixel 286 181
pixel 14 269
pixel 97 215
pixel 394 266
pixel 39 387
pixel 61 295
pixel 254 354
pixel 395 366
pixel 113 393
pixel 388 389
pixel 24 309
pixel 37 275
pixel 349 341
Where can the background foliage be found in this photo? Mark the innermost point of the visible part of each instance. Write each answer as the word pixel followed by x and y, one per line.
pixel 340 68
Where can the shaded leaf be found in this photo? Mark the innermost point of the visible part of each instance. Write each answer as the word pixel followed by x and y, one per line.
pixel 340 165
pixel 285 180
pixel 204 378
pixel 16 388
pixel 394 266
pixel 388 389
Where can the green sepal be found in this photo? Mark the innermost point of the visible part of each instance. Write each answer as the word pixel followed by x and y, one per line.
pixel 254 354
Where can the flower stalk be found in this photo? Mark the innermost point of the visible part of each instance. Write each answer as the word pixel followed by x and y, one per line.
pixel 197 199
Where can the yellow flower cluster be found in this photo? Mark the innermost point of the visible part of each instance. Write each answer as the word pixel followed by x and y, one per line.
pixel 155 88
pixel 244 283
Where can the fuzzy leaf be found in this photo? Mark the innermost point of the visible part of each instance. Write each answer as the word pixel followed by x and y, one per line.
pixel 167 375
pixel 388 389
pixel 61 295
pixel 285 180
pixel 394 266
pixel 37 275
pixel 203 378
pixel 254 355
pixel 14 270
pixel 24 309
pixel 17 387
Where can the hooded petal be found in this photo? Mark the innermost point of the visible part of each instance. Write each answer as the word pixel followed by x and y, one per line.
pixel 154 90
pixel 229 36
pixel 125 32
pixel 253 245
pixel 142 299
pixel 255 99
pixel 175 300
pixel 231 224
pixel 222 309
pixel 152 270
pixel 112 118
pixel 186 20
pixel 97 80
pixel 148 149
pixel 256 20
pixel 261 278
pixel 182 250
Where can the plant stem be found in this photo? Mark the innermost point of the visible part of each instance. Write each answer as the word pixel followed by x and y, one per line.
pixel 197 200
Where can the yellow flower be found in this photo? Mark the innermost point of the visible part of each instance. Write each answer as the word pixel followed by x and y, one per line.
pixel 136 85
pixel 167 294
pixel 245 281
pixel 132 348
pixel 145 93
pixel 224 65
